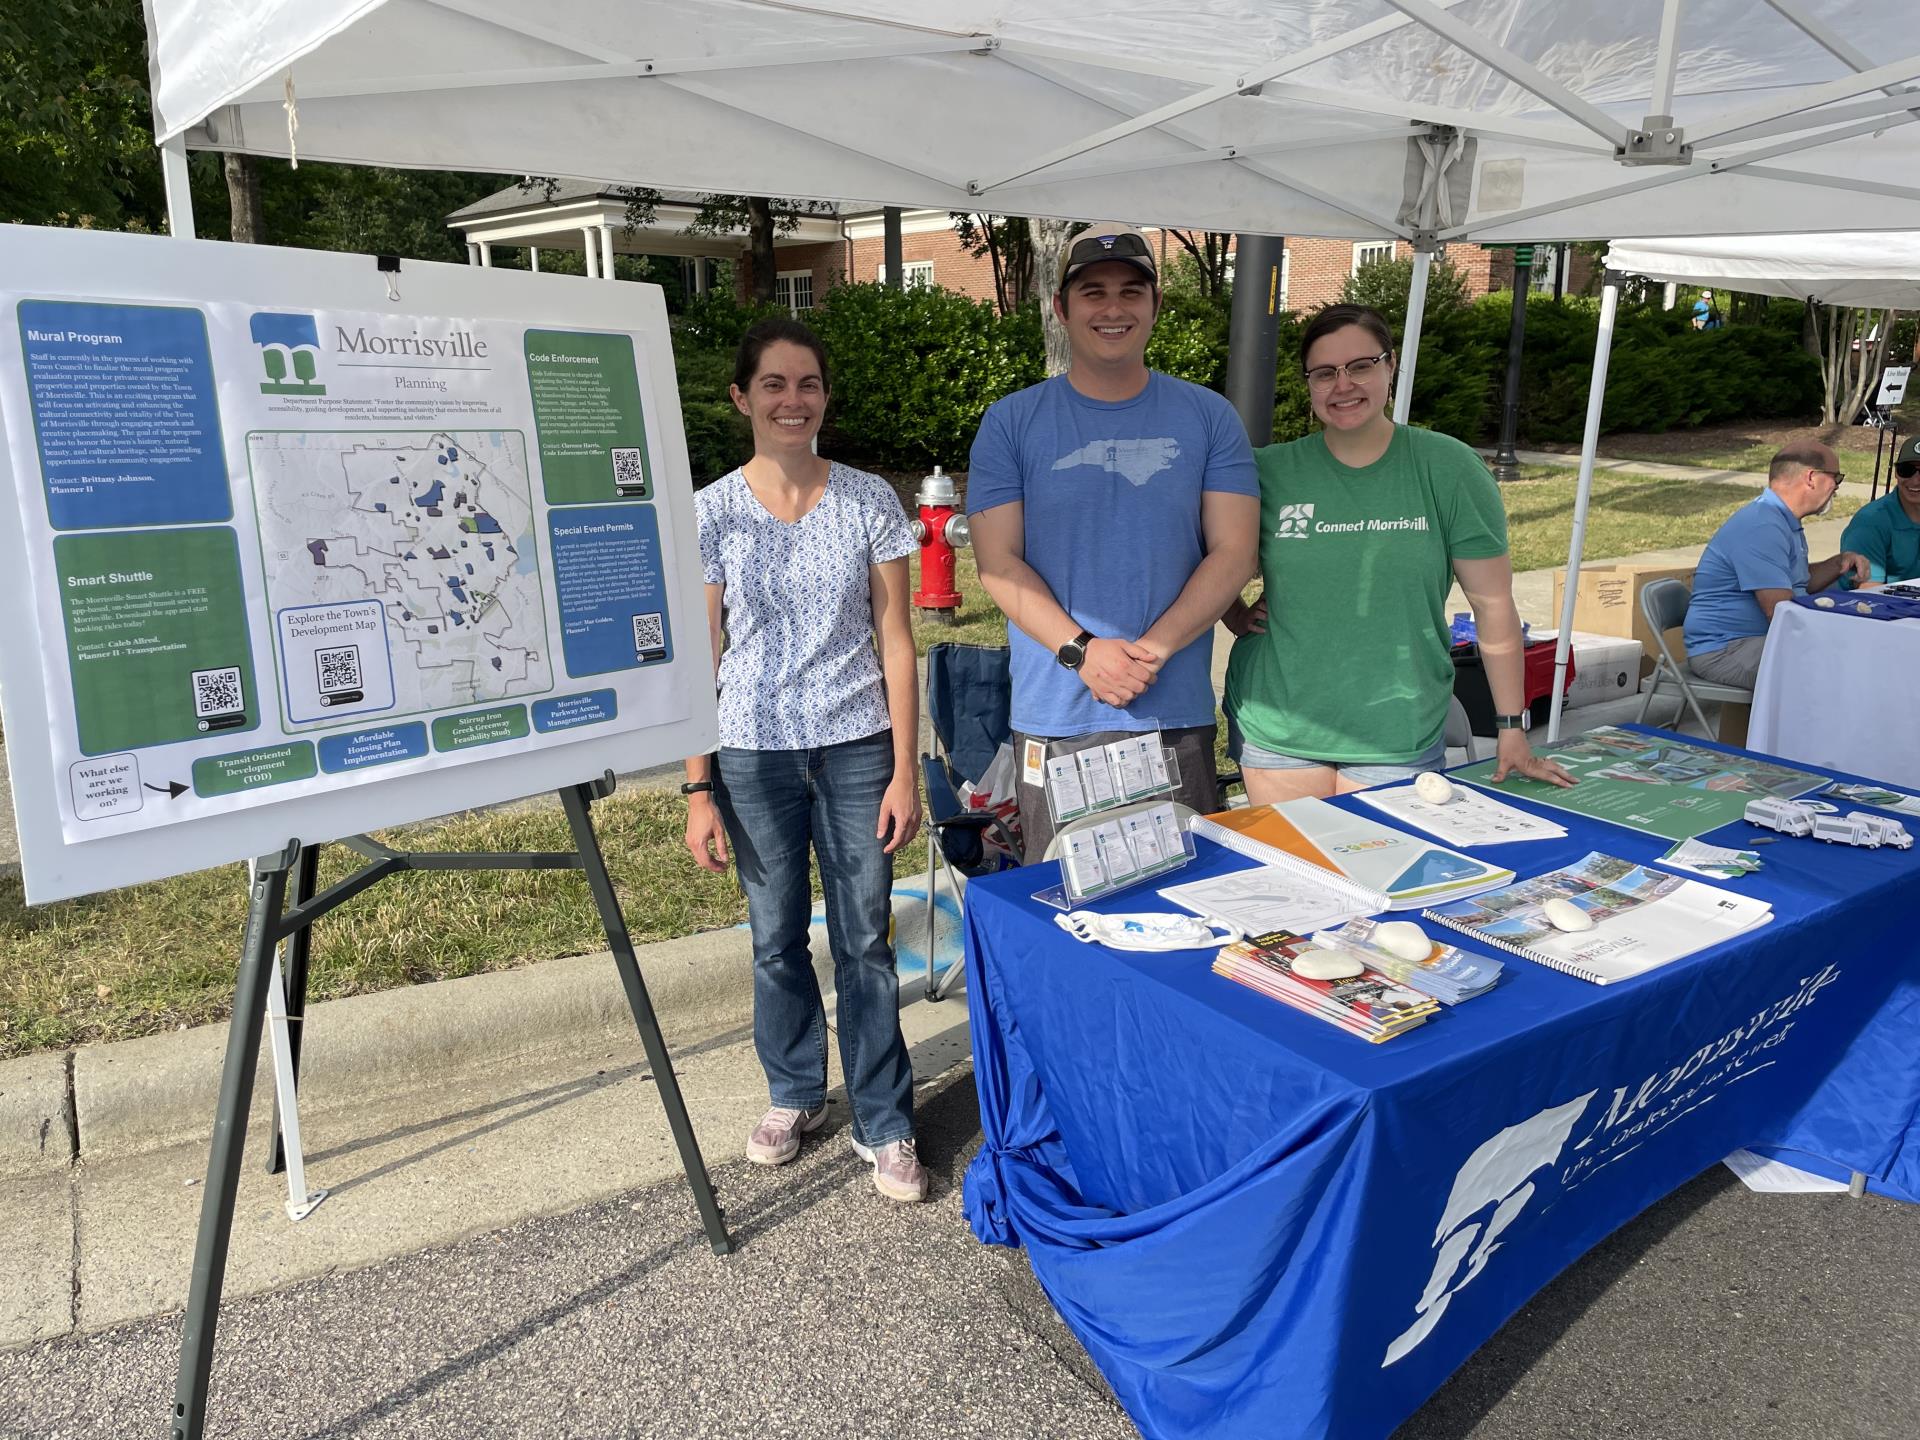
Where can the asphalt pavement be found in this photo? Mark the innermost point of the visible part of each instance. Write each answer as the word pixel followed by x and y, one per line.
pixel 1717 1315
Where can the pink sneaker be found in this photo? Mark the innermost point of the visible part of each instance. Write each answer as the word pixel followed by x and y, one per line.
pixel 897 1171
pixel 776 1139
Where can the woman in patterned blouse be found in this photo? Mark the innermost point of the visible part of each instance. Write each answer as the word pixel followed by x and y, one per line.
pixel 805 562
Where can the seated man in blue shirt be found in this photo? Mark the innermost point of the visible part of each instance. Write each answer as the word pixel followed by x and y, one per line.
pixel 1758 559
pixel 1887 532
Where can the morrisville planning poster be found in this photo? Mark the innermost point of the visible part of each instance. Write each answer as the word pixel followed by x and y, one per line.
pixel 274 550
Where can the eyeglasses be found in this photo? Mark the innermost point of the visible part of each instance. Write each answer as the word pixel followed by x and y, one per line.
pixel 1908 469
pixel 1321 377
pixel 1839 476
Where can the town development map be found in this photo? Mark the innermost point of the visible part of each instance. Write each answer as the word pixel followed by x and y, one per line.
pixel 437 528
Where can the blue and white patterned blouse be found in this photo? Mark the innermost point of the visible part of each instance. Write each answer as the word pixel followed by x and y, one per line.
pixel 800 669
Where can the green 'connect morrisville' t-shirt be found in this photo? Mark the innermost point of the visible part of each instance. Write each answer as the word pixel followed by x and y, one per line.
pixel 1354 666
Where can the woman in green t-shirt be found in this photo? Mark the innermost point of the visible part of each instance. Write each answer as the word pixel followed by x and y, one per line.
pixel 1341 676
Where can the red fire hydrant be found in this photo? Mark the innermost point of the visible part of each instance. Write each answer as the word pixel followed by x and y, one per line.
pixel 940 529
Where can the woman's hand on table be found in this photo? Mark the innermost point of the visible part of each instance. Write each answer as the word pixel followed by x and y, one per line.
pixel 1514 756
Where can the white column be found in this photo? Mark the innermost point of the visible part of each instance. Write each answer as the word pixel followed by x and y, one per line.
pixel 173 176
pixel 1410 340
pixel 1589 446
pixel 592 248
pixel 473 253
pixel 486 255
pixel 1668 295
pixel 606 253
pixel 533 258
pixel 700 274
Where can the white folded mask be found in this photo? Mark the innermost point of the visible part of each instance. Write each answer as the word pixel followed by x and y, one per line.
pixel 1146 932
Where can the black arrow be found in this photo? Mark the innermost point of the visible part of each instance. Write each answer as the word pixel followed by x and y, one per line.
pixel 173 789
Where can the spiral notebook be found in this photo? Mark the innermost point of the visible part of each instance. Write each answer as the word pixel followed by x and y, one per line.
pixel 1387 869
pixel 1643 918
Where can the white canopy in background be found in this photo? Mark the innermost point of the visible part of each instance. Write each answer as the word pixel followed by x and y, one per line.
pixel 1870 271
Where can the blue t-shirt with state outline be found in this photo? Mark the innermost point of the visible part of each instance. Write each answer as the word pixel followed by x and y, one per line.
pixel 1760 547
pixel 1112 493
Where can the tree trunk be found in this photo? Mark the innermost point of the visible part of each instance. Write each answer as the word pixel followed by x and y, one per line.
pixel 760 229
pixel 249 216
pixel 1049 246
pixel 1872 353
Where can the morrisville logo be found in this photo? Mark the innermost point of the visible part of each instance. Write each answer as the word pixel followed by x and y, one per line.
pixel 289 352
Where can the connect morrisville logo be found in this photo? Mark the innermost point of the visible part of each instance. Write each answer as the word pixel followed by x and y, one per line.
pixel 289 346
pixel 1294 521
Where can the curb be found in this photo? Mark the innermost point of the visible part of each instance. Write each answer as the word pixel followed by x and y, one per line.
pixel 36 1115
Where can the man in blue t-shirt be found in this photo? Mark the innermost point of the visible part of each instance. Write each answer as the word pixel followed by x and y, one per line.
pixel 1115 513
pixel 1757 560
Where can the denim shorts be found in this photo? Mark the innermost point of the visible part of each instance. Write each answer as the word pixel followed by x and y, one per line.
pixel 1251 757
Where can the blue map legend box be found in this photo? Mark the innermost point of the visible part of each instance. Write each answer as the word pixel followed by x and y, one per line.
pixel 567 712
pixel 611 588
pixel 359 749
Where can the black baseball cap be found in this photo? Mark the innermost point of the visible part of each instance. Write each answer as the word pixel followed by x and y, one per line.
pixel 1909 452
pixel 1108 241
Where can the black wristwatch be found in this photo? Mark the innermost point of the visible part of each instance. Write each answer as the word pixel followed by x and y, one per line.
pixel 1509 722
pixel 696 787
pixel 1073 654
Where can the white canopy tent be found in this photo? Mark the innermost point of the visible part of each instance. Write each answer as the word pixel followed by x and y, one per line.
pixel 1423 120
pixel 1879 271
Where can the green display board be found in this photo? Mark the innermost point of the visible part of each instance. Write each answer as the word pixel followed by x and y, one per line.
pixel 586 411
pixel 1655 783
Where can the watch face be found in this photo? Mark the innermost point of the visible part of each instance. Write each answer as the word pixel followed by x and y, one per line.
pixel 1072 654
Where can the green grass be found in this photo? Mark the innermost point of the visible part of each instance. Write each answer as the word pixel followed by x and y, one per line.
pixel 979 621
pixel 153 957
pixel 1628 514
pixel 1754 458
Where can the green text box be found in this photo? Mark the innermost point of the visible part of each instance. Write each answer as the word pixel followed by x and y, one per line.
pixel 251 769
pixel 156 636
pixel 587 417
pixel 480 727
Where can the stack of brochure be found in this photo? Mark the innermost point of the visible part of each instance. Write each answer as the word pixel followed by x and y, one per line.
pixel 1371 1005
pixel 1387 869
pixel 1448 974
pixel 1642 918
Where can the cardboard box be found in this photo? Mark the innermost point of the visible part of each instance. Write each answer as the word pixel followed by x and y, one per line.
pixel 1605 667
pixel 1608 603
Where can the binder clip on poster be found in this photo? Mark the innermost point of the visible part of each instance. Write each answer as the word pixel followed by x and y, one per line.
pixel 1114 820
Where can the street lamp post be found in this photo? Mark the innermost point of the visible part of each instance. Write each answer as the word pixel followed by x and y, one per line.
pixel 1506 464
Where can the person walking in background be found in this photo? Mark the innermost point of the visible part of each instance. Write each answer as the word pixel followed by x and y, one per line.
pixel 805 563
pixel 1341 675
pixel 1112 512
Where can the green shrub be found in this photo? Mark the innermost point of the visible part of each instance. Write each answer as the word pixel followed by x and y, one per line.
pixel 914 370
pixel 716 321
pixel 718 436
pixel 1190 337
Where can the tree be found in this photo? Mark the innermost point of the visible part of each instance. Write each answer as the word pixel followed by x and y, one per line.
pixel 1007 243
pixel 246 210
pixel 1212 259
pixel 1852 346
pixel 1383 285
pixel 1049 249
pixel 75 121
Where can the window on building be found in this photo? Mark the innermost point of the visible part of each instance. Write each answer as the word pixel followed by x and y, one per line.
pixel 794 289
pixel 915 274
pixel 1369 251
pixel 1286 271
pixel 1546 266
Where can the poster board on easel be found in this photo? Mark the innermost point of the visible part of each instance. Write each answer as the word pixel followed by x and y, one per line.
pixel 297 549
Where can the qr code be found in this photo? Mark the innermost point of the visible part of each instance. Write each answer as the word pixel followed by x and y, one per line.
pixel 339 669
pixel 217 692
pixel 628 473
pixel 649 636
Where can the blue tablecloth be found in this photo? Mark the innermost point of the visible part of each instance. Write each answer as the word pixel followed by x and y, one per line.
pixel 1261 1225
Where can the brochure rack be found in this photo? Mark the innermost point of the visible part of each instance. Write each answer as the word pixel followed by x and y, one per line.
pixel 1115 825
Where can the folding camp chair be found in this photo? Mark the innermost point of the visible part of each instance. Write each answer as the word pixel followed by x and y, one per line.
pixel 969 694
pixel 1664 604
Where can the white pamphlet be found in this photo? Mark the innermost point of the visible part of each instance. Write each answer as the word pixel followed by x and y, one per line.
pixel 1063 779
pixel 1267 898
pixel 1156 759
pixel 1117 860
pixel 1080 861
pixel 1129 762
pixel 1472 817
pixel 1167 824
pixel 1142 834
pixel 1097 777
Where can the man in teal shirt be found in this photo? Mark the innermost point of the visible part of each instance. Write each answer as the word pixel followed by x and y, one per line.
pixel 1758 559
pixel 1887 532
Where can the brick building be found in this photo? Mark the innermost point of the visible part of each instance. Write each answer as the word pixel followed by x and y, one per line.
pixel 825 250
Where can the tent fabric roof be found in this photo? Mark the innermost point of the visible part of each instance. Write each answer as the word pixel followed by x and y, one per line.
pixel 1279 118
pixel 564 192
pixel 1870 271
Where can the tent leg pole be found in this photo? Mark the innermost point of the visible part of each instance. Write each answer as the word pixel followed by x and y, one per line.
pixel 1589 447
pixel 1410 339
pixel 173 175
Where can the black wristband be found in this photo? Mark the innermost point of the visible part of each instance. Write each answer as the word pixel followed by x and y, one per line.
pixel 1509 722
pixel 697 787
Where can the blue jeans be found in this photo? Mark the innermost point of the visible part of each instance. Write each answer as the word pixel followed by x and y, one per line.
pixel 775 804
